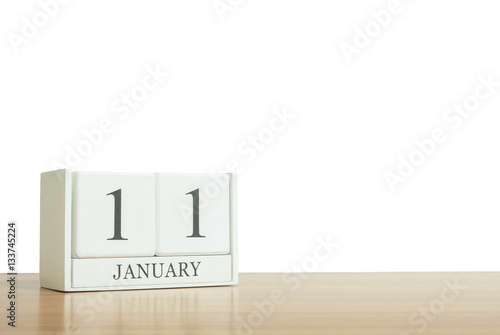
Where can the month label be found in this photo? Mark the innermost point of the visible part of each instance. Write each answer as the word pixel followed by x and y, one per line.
pixel 132 271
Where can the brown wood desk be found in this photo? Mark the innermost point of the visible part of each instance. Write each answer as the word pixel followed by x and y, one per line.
pixel 323 303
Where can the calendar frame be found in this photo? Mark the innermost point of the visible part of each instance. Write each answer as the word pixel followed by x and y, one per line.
pixel 56 263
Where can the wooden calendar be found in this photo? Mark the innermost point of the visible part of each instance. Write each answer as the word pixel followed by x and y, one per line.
pixel 118 231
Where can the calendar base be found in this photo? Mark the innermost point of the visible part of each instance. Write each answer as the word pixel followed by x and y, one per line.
pixel 122 273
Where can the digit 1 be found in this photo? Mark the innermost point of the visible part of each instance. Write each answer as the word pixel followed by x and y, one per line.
pixel 196 213
pixel 118 215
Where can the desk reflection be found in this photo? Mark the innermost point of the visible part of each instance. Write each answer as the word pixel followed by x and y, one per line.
pixel 182 311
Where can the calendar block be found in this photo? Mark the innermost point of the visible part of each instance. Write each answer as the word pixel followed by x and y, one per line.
pixel 121 231
pixel 192 214
pixel 113 215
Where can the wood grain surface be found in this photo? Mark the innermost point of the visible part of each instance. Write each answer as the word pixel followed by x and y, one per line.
pixel 320 303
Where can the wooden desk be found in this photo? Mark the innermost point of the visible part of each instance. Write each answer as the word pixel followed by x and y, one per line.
pixel 341 303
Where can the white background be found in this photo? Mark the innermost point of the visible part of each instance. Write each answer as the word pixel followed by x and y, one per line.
pixel 323 175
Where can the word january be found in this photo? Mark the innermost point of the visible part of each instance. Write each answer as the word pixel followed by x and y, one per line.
pixel 157 270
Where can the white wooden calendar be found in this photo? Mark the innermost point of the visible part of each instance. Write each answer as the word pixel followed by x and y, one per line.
pixel 118 231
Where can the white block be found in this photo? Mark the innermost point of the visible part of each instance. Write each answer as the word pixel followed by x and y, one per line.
pixel 178 230
pixel 113 215
pixel 147 271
